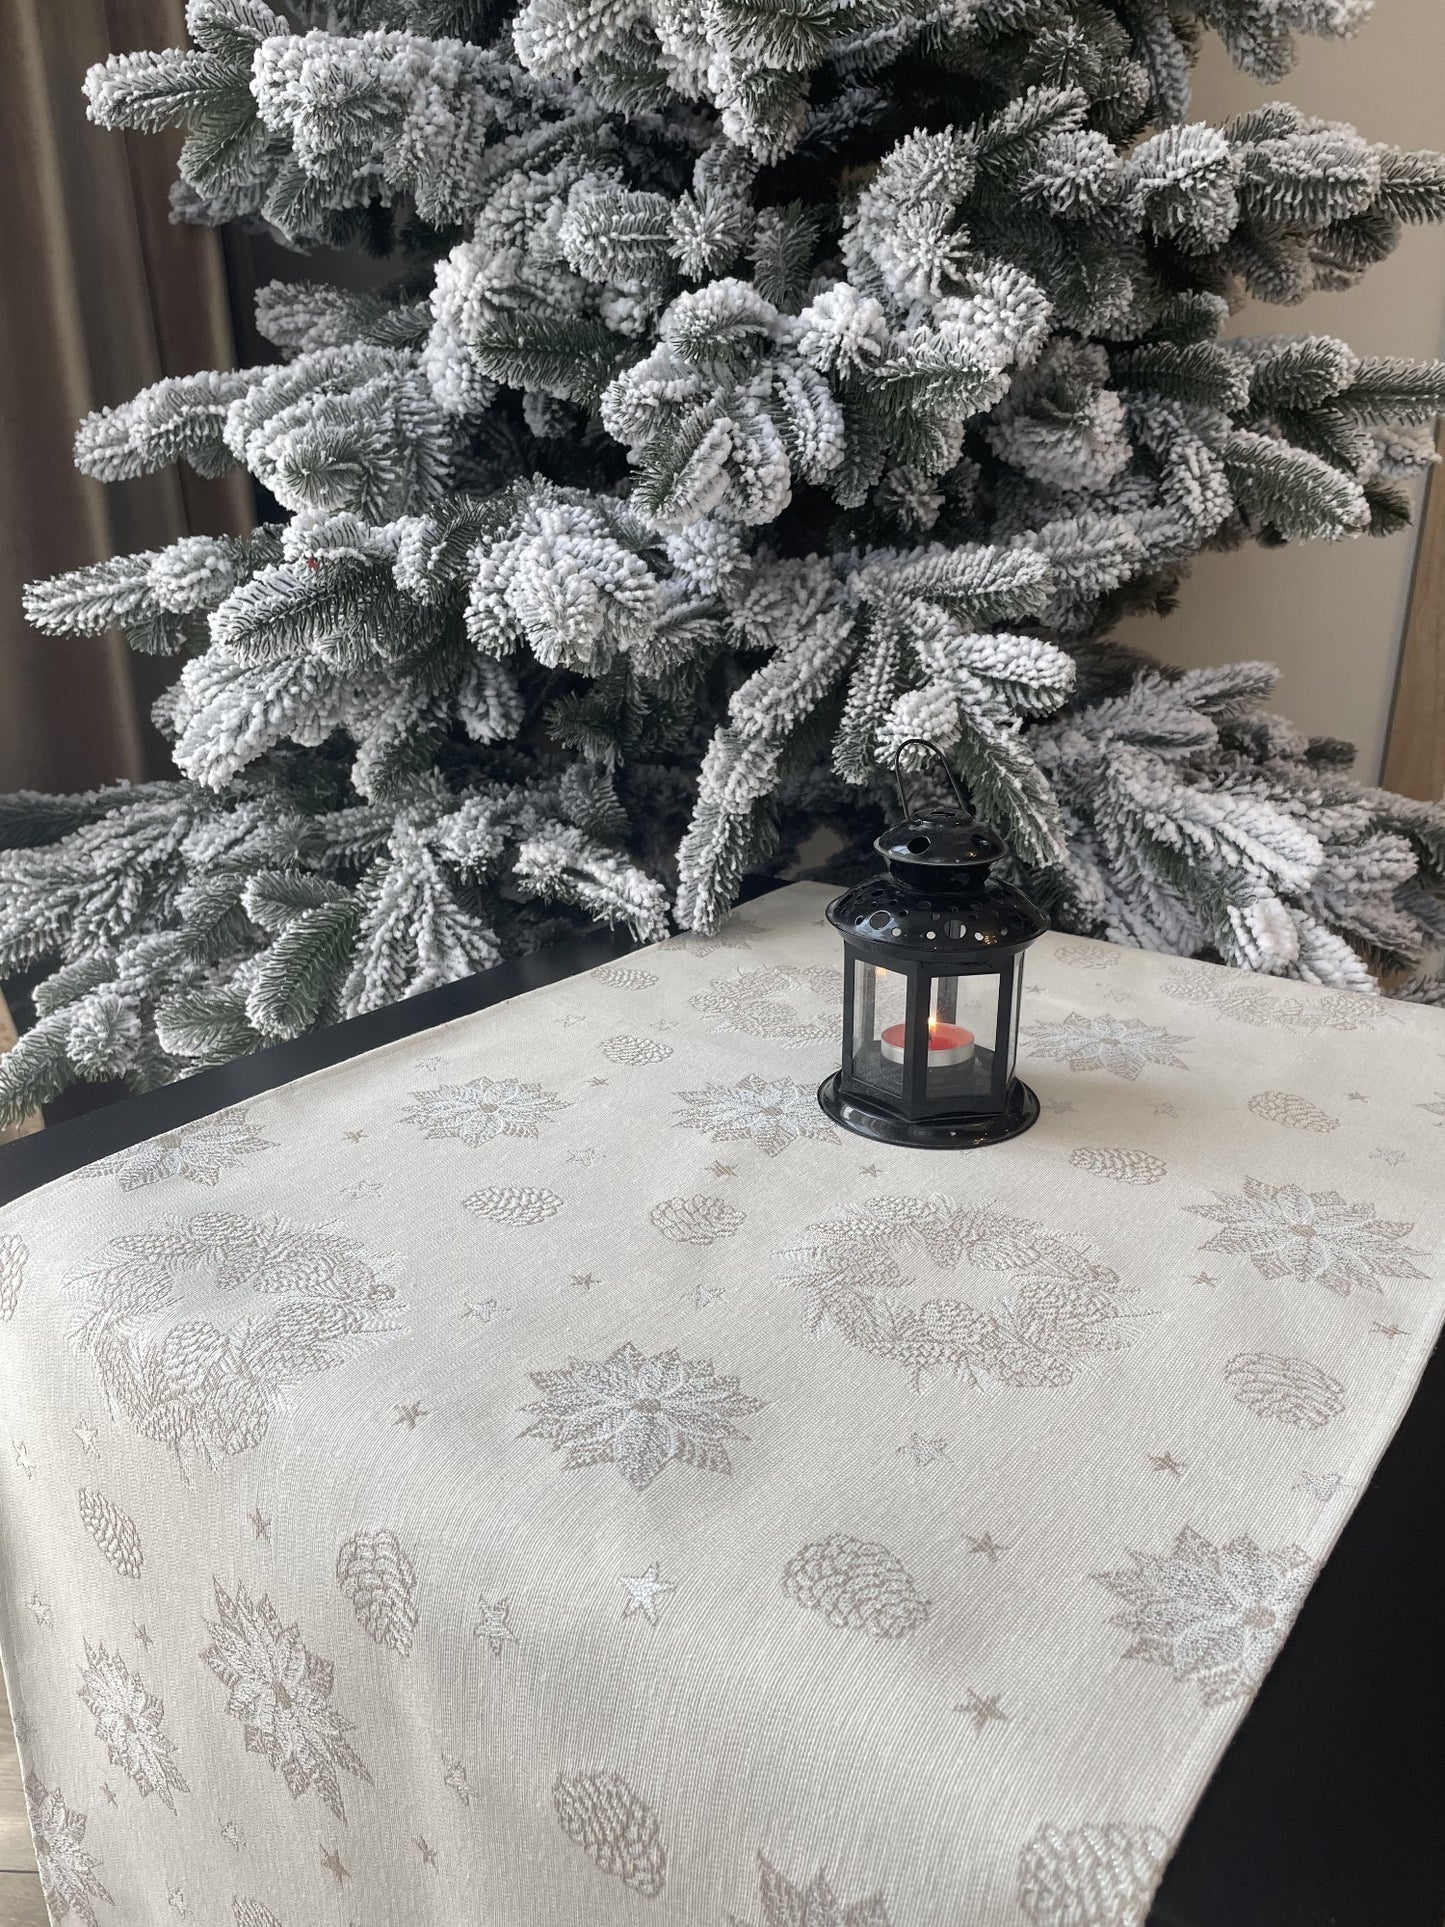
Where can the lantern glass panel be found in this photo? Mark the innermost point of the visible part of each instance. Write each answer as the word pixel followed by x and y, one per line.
pixel 1013 1028
pixel 962 1026
pixel 880 1005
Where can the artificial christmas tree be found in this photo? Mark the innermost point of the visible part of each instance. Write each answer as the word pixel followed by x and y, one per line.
pixel 763 383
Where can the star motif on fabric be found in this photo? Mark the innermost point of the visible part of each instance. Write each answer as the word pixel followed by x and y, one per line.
pixel 408 1415
pixel 432 1063
pixel 44 1616
pixel 495 1625
pixel 1390 1330
pixel 23 1458
pixel 572 1017
pixel 484 1311
pixel 353 1137
pixel 721 1170
pixel 427 1851
pixel 1204 1278
pixel 454 1776
pixel 645 1592
pixel 1357 1097
pixel 1387 1155
pixel 584 1280
pixel 982 1708
pixel 1436 1110
pixel 1059 1106
pixel 706 1294
pixel 331 1860
pixel 924 1451
pixel 1166 1462
pixel 260 1525
pixel 986 1546
pixel 586 1157
pixel 870 1170
pixel 176 1900
pixel 364 1188
pixel 231 1834
pixel 597 1082
pixel 109 1792
pixel 1166 1110
pixel 142 1634
pixel 88 1436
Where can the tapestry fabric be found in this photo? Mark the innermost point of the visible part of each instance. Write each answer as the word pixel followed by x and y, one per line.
pixel 544 1472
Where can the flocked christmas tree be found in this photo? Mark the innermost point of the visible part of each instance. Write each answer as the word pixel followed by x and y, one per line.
pixel 763 382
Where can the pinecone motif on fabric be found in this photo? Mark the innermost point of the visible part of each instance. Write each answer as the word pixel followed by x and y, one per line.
pixel 13 1258
pixel 113 1531
pixel 377 1577
pixel 1296 1113
pixel 624 1049
pixel 514 1204
pixel 1102 1875
pixel 696 1221
pixel 250 1913
pixel 615 1828
pixel 621 977
pixel 1288 1389
pixel 856 1584
pixel 1124 1167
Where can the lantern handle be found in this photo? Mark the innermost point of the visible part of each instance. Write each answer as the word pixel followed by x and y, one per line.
pixel 920 742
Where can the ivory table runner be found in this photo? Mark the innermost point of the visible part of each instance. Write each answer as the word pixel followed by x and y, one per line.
pixel 541 1474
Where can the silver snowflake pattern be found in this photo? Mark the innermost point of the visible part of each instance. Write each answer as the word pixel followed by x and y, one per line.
pixel 199 1153
pixel 770 1112
pixel 1213 1614
pixel 297 1300
pixel 280 1691
pixel 1122 1046
pixel 69 1876
pixel 482 1109
pixel 1312 1236
pixel 813 1905
pixel 640 1414
pixel 128 1719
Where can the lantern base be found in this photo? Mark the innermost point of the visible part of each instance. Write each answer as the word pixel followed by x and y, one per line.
pixel 959 1132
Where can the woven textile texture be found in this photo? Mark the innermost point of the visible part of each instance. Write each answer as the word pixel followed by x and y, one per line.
pixel 542 1472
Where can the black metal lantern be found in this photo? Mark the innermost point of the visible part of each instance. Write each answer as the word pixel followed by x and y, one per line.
pixel 934 972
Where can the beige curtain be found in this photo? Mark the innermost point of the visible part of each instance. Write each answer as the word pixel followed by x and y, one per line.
pixel 99 295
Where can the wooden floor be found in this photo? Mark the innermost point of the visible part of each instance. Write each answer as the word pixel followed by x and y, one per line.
pixel 20 1901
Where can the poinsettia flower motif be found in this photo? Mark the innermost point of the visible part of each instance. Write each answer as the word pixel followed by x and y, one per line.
pixel 128 1719
pixel 1214 1614
pixel 640 1414
pixel 198 1153
pixel 1287 1232
pixel 481 1109
pixel 752 1003
pixel 814 1905
pixel 69 1876
pixel 280 1691
pixel 770 1112
pixel 1123 1046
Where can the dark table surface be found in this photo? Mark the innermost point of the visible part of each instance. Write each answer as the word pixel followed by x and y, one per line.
pixel 1328 1810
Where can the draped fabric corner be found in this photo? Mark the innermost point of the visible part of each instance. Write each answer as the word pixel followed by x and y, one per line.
pixel 100 296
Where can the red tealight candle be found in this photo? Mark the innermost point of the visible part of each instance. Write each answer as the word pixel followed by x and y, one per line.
pixel 947 1044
